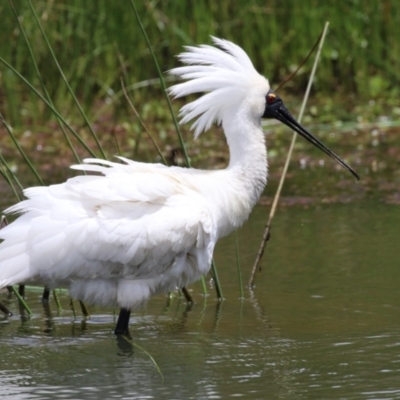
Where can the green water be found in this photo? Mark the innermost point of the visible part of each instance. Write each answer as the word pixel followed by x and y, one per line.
pixel 322 323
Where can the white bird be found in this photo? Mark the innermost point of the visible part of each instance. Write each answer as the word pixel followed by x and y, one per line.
pixel 140 229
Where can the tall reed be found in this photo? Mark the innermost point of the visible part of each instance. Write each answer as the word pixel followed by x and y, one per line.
pixel 97 42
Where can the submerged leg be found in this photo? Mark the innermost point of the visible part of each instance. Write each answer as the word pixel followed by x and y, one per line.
pixel 123 322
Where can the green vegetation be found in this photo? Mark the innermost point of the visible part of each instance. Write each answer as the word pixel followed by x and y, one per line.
pixel 97 42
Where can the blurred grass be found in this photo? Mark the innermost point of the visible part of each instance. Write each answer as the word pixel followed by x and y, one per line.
pixel 97 42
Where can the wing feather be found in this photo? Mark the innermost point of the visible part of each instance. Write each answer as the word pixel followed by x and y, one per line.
pixel 133 222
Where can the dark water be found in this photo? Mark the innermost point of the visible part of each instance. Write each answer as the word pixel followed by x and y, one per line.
pixel 322 323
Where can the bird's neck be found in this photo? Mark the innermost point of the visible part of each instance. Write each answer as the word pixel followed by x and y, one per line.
pixel 248 153
pixel 246 175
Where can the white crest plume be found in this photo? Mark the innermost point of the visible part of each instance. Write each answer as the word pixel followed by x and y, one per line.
pixel 227 75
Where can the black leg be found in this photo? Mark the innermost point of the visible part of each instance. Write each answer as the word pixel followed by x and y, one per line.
pixel 123 322
pixel 45 295
pixel 84 309
pixel 187 295
pixel 5 310
pixel 21 290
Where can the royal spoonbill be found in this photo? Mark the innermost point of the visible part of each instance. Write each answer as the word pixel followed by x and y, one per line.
pixel 138 229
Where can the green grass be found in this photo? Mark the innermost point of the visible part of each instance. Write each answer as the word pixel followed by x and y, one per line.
pixel 97 42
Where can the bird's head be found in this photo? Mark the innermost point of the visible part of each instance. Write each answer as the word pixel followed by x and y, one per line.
pixel 228 78
pixel 231 84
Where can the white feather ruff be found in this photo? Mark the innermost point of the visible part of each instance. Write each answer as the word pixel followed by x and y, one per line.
pixel 228 75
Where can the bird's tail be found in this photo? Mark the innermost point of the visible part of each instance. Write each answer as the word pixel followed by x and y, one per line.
pixel 14 258
pixel 14 263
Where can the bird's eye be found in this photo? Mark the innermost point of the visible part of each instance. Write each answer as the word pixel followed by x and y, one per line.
pixel 271 98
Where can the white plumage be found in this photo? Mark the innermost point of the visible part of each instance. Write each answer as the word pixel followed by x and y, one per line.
pixel 139 229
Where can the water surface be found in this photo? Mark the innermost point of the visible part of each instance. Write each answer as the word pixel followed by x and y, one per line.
pixel 322 322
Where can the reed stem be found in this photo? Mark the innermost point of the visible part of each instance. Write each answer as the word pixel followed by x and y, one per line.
pixel 21 300
pixel 267 230
pixel 60 70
